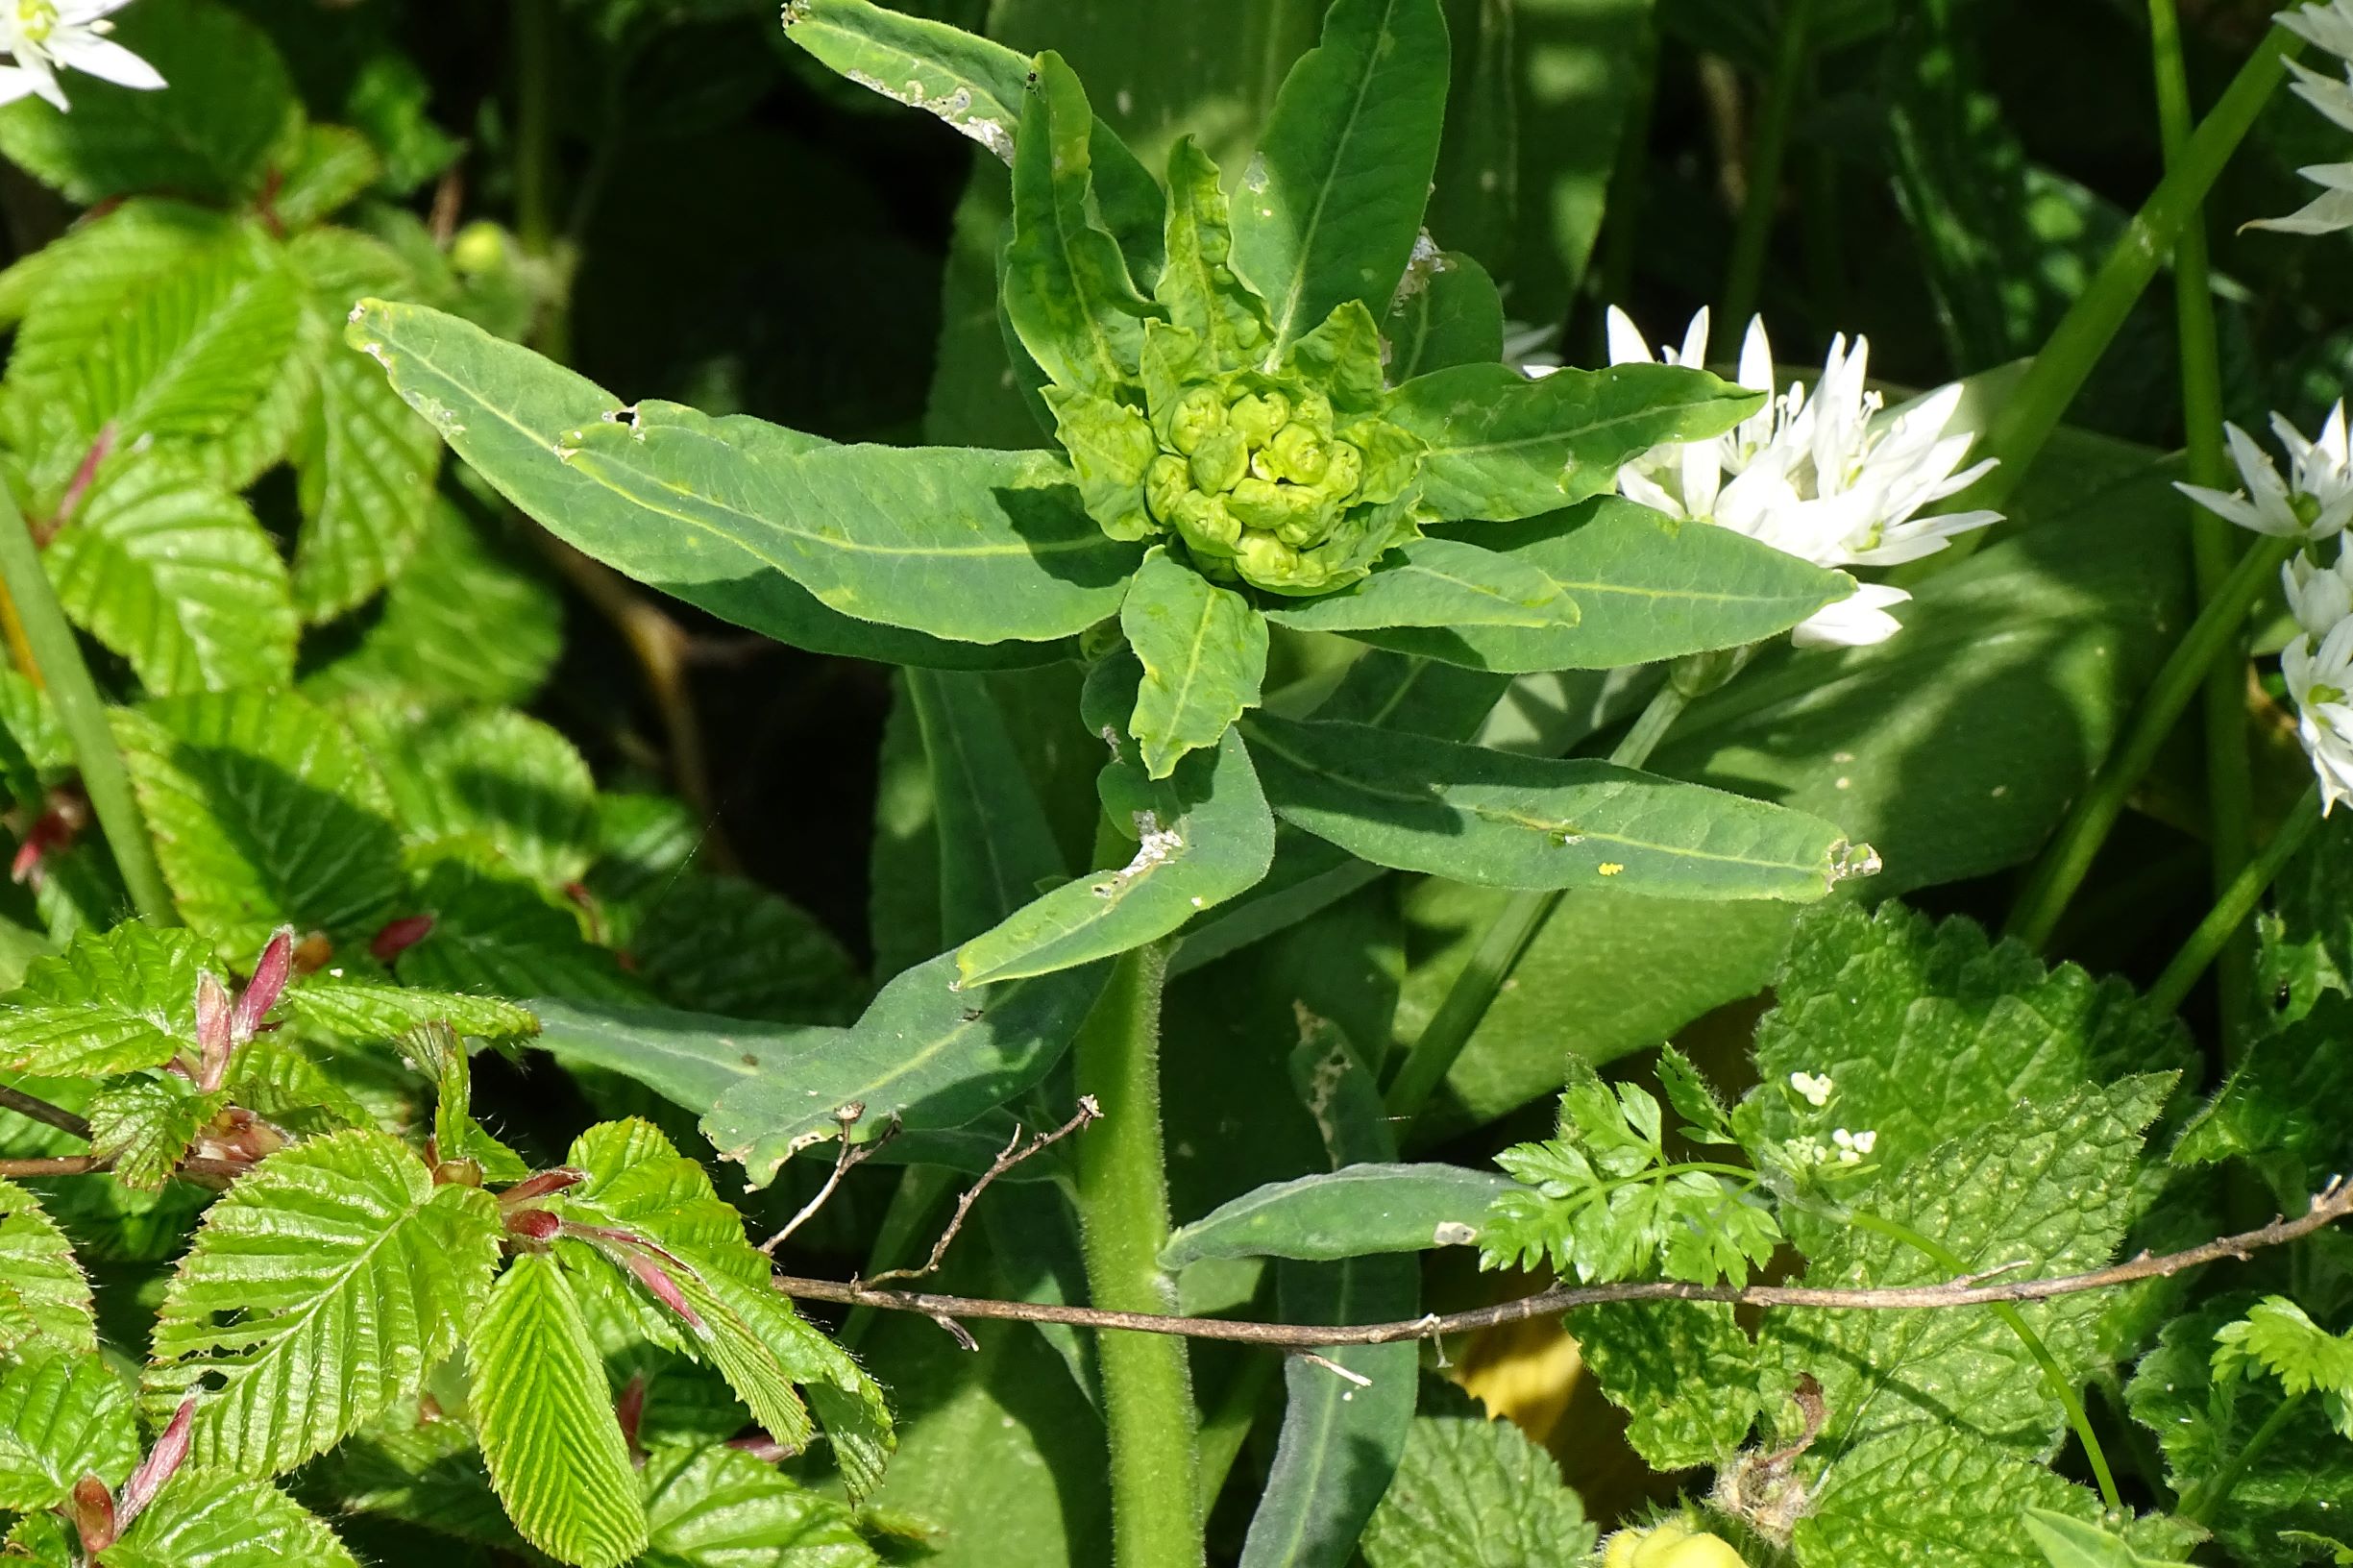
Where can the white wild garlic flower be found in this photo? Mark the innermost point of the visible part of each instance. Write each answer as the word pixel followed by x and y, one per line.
pixel 2313 502
pixel 45 36
pixel 2326 26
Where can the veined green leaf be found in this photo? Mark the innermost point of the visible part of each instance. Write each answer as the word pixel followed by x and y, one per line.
pixel 1328 209
pixel 2069 1542
pixel 1204 652
pixel 504 409
pixel 1502 446
pixel 372 1010
pixel 494 935
pixel 1441 583
pixel 265 812
pixel 176 576
pixel 1067 289
pixel 1200 288
pixel 962 544
pixel 62 1418
pixel 545 1410
pixel 367 466
pixel 1646 588
pixel 778 961
pixel 1475 815
pixel 319 1291
pixel 1475 1493
pixel 927 1051
pixel 220 1522
pixel 491 776
pixel 1349 1213
pixel 112 1002
pixel 1685 1372
pixel 145 1125
pixel 332 168
pixel 37 1264
pixel 1447 313
pixel 977 86
pixel 995 846
pixel 1203 837
pixel 718 1506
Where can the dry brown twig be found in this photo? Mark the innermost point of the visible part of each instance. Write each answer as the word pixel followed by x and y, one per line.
pixel 2330 1205
pixel 1013 1153
pixel 848 1157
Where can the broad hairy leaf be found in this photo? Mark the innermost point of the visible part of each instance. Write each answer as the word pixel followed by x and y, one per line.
pixel 1684 1373
pixel 994 843
pixel 1502 446
pixel 1348 1213
pixel 1646 588
pixel 504 409
pixel 492 934
pixel 1328 209
pixel 1476 1493
pixel 928 1051
pixel 38 1274
pixel 63 1417
pixel 771 959
pixel 145 1125
pixel 320 1290
pixel 1067 293
pixel 372 1010
pixel 545 1412
pixel 2273 1109
pixel 1204 652
pixel 1447 313
pixel 266 813
pixel 1489 816
pixel 2050 1187
pixel 366 463
pixel 717 1506
pixel 489 775
pixel 221 1522
pixel 1436 582
pixel 175 575
pixel 112 1002
pixel 208 136
pixel 1201 837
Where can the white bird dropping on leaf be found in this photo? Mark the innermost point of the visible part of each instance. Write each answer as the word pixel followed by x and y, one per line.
pixel 2313 502
pixel 1823 478
pixel 44 36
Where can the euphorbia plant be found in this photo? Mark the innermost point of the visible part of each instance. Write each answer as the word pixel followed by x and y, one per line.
pixel 1262 423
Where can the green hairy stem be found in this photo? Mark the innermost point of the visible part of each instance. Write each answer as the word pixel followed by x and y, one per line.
pixel 83 714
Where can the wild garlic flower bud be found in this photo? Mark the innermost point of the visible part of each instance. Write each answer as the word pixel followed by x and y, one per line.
pixel 2318 597
pixel 2320 674
pixel 2313 502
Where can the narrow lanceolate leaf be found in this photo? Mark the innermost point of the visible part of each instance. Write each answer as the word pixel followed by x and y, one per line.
pixel 112 1002
pixel 977 86
pixel 372 1010
pixel 177 577
pixel 1444 583
pixel 1202 837
pixel 1347 1213
pixel 266 813
pixel 1204 652
pixel 995 846
pixel 40 1276
pixel 928 1051
pixel 319 1292
pixel 1504 447
pixel 545 1410
pixel 1499 820
pixel 504 409
pixel 1447 313
pixel 958 543
pixel 1328 209
pixel 219 1522
pixel 1200 288
pixel 1067 289
pixel 63 1417
pixel 1645 587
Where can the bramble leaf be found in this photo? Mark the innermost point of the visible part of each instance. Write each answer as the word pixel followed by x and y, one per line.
pixel 1328 209
pixel 320 1290
pixel 1202 651
pixel 545 1412
pixel 1492 818
pixel 365 465
pixel 372 1010
pixel 38 1274
pixel 112 1002
pixel 145 1125
pixel 718 1506
pixel 491 776
pixel 220 1522
pixel 63 1417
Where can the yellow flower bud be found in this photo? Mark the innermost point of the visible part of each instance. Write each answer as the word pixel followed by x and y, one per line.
pixel 1670 1545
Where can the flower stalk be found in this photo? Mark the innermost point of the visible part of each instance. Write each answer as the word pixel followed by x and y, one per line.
pixel 2238 902
pixel 1745 270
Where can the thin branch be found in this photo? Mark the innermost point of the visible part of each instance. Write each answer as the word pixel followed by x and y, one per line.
pixel 1013 1154
pixel 849 1158
pixel 91 1164
pixel 41 1110
pixel 2331 1204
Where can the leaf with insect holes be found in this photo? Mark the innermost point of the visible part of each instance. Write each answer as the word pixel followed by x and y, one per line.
pixel 320 1290
pixel 112 1002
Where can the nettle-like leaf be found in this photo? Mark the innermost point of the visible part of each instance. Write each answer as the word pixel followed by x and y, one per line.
pixel 1329 211
pixel 112 1002
pixel 2050 1187
pixel 372 1010
pixel 2274 1109
pixel 491 776
pixel 1499 820
pixel 319 1291
pixel 640 1188
pixel 728 945
pixel 1684 1373
pixel 714 1506
pixel 144 1126
pixel 63 1417
pixel 1204 652
pixel 266 813
pixel 1603 1199
pixel 220 1522
pixel 2277 1337
pixel 177 575
pixel 507 411
pixel 1476 1493
pixel 43 1289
